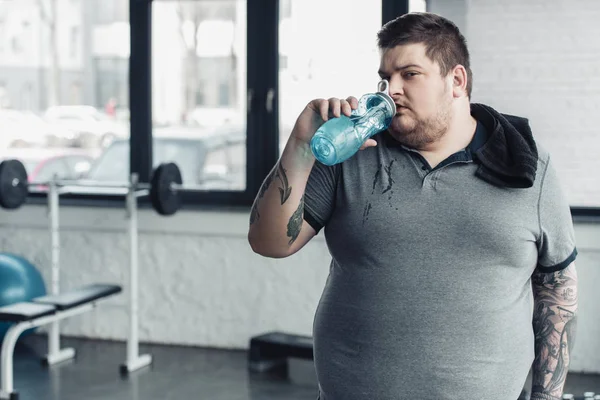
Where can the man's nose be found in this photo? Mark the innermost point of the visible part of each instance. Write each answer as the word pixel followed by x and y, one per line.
pixel 396 87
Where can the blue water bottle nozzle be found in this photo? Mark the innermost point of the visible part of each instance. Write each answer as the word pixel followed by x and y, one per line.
pixel 384 87
pixel 340 138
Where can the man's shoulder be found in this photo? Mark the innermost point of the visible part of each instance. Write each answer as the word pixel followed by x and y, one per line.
pixel 519 121
pixel 543 155
pixel 515 118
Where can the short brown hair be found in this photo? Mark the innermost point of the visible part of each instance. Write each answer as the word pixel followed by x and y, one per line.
pixel 443 41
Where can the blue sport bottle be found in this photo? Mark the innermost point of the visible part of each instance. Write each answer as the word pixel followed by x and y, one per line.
pixel 340 138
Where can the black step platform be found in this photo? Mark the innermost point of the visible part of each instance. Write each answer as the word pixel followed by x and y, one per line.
pixel 79 296
pixel 25 311
pixel 271 350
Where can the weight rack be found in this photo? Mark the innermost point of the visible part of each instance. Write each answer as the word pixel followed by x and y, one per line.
pixel 134 360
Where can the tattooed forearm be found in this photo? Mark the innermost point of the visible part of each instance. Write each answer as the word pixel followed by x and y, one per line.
pixel 295 223
pixel 254 215
pixel 285 190
pixel 554 324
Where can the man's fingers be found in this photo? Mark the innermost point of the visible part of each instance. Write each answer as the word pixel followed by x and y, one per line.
pixel 346 108
pixel 353 102
pixel 335 107
pixel 324 110
pixel 368 143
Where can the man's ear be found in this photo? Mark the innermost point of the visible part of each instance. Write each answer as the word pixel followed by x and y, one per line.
pixel 460 80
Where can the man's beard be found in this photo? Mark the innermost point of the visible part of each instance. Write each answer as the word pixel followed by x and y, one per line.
pixel 417 133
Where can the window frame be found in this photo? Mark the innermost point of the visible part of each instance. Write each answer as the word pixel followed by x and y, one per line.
pixel 262 122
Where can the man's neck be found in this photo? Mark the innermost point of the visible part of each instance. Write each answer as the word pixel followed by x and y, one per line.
pixel 457 137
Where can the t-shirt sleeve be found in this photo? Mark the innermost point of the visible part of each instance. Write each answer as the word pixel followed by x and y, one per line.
pixel 319 196
pixel 556 241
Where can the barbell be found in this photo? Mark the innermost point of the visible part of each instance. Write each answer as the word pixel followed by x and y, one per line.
pixel 164 187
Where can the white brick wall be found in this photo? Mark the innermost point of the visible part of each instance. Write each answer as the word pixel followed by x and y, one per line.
pixel 541 59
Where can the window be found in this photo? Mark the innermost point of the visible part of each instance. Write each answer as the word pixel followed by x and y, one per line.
pixel 19 34
pixel 4 96
pixel 228 79
pixel 285 9
pixel 317 67
pixel 111 89
pixel 189 154
pixel 51 113
pixel 199 89
pixel 74 44
pixel 45 170
pixel 2 35
pixel 27 96
pixel 109 11
pixel 417 6
pixel 225 165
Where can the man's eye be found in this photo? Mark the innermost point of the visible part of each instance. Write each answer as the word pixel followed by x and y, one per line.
pixel 411 74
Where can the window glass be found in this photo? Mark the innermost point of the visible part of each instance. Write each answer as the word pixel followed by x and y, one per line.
pixel 63 82
pixel 330 53
pixel 199 88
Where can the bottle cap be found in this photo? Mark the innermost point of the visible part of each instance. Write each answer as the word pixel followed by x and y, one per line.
pixel 384 86
pixel 383 89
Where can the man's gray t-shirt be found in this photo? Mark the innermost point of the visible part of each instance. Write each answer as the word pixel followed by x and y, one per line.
pixel 429 293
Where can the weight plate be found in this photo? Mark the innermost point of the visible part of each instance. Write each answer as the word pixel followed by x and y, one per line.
pixel 165 199
pixel 13 184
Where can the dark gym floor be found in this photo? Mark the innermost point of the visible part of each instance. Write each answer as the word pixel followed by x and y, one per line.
pixel 177 373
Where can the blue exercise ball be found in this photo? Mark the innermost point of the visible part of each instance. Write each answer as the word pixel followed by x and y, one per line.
pixel 20 281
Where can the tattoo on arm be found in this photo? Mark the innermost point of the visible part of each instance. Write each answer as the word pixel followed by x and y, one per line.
pixel 295 223
pixel 254 215
pixel 285 190
pixel 554 324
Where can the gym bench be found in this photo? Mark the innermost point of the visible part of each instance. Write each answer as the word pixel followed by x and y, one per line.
pixel 270 351
pixel 42 311
pixel 59 305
